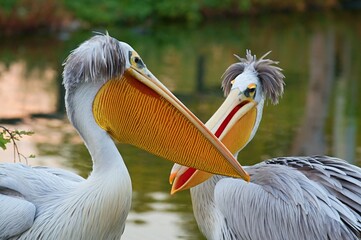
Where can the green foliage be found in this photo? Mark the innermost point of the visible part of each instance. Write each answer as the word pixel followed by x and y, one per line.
pixel 186 9
pixel 245 5
pixel 12 136
pixel 113 11
pixel 94 11
pixel 3 141
pixel 25 15
pixel 8 5
pixel 136 10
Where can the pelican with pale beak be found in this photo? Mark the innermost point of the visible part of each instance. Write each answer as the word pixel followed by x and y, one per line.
pixel 311 197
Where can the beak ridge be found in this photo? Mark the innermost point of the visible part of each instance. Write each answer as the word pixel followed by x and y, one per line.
pixel 152 118
pixel 232 123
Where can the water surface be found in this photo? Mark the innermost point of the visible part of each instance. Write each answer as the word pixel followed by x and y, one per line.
pixel 318 114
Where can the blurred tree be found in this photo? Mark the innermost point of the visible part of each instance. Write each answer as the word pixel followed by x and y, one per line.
pixel 26 15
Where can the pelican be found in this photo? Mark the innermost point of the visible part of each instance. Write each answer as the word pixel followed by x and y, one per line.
pixel 110 94
pixel 291 198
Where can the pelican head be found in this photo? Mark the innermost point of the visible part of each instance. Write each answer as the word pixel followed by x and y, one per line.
pixel 110 90
pixel 246 85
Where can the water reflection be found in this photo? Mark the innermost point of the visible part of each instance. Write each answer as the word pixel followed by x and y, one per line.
pixel 161 220
pixel 318 113
pixel 330 75
pixel 26 92
pixel 310 138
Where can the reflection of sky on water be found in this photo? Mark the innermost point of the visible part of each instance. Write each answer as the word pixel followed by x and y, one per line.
pixel 155 225
pixel 161 222
pixel 26 92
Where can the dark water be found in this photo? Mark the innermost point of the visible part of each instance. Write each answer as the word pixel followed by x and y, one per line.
pixel 318 114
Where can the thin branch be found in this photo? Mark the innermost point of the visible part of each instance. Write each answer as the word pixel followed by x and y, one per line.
pixel 13 136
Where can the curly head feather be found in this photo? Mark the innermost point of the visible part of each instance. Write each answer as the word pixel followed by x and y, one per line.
pixel 270 76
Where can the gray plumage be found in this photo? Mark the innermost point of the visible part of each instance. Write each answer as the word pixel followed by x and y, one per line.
pixel 99 59
pixel 270 76
pixel 288 198
pixel 47 203
pixel 314 197
pixel 24 194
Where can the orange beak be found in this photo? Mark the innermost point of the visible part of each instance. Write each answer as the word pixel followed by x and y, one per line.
pixel 136 108
pixel 233 124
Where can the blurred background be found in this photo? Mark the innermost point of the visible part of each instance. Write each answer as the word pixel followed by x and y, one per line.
pixel 187 45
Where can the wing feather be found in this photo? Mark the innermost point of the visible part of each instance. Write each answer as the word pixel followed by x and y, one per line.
pixel 61 173
pixel 23 190
pixel 16 216
pixel 307 196
pixel 339 178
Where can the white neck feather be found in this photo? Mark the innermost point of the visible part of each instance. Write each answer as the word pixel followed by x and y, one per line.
pixel 101 147
pixel 210 220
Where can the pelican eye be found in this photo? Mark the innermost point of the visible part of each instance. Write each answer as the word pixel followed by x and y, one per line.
pixel 136 61
pixel 250 91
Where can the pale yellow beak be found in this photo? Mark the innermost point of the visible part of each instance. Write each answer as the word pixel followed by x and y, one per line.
pixel 137 109
pixel 232 123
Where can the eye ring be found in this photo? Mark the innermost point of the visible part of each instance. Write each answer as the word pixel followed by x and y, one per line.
pixel 138 62
pixel 251 90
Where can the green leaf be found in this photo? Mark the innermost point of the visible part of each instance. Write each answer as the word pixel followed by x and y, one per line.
pixel 23 132
pixel 3 141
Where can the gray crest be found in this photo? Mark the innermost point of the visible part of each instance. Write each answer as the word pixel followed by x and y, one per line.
pixel 270 76
pixel 98 59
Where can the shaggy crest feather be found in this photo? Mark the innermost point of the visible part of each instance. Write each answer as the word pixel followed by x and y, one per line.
pixel 98 59
pixel 270 75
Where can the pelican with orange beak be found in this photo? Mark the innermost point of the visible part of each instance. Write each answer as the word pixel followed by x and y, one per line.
pixel 110 95
pixel 313 197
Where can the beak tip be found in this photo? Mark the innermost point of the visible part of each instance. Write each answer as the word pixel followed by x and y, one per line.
pixel 247 178
pixel 172 177
pixel 173 191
